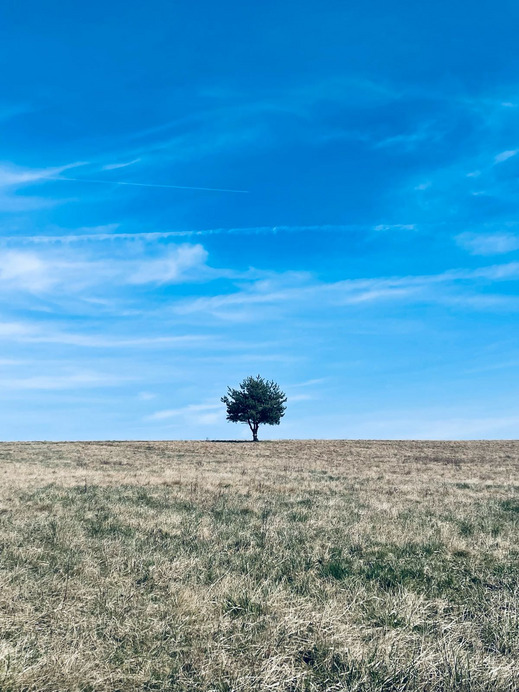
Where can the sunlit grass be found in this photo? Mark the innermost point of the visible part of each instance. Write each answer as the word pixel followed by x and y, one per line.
pixel 279 566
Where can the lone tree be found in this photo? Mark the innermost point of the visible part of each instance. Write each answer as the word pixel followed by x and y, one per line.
pixel 256 402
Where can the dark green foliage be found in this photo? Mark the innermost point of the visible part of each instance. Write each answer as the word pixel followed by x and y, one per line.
pixel 256 402
pixel 510 506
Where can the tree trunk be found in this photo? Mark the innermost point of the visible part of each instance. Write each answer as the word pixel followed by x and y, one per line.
pixel 254 430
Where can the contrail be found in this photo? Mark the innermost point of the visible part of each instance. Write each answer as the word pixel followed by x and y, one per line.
pixel 159 235
pixel 119 182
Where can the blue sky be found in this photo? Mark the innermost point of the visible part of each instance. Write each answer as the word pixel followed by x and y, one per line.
pixel 322 193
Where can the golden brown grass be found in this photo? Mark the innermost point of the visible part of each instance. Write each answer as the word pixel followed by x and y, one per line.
pixel 294 565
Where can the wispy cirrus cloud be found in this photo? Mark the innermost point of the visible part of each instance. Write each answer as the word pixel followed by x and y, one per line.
pixel 193 414
pixel 229 111
pixel 238 119
pixel 488 243
pixel 505 155
pixel 294 292
pixel 76 380
pixel 309 383
pixel 469 175
pixel 63 273
pixel 53 270
pixel 18 176
pixel 27 271
pixel 408 141
pixel 13 179
pixel 224 124
pixel 114 166
pixel 175 264
pixel 49 333
pixel 191 408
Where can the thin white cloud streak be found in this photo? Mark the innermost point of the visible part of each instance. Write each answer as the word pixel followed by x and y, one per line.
pixel 114 166
pixel 309 383
pixel 146 396
pixel 252 358
pixel 212 137
pixel 170 267
pixel 295 398
pixel 35 333
pixel 104 341
pixel 163 235
pixel 396 227
pixel 185 410
pixel 408 141
pixel 505 155
pixel 156 185
pixel 16 176
pixel 488 243
pixel 60 382
pixel 102 232
pixel 30 332
pixel 193 414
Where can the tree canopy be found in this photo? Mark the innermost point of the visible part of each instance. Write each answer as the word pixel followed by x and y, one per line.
pixel 256 402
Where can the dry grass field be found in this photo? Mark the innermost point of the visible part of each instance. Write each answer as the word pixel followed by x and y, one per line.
pixel 297 565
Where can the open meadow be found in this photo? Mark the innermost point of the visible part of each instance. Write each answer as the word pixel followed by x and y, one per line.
pixel 291 565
